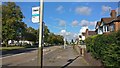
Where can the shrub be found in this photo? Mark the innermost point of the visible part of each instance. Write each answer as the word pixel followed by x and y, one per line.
pixel 105 47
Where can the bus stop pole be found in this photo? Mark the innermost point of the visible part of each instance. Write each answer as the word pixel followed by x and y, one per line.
pixel 40 48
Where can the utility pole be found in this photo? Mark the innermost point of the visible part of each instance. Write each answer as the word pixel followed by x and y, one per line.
pixel 40 48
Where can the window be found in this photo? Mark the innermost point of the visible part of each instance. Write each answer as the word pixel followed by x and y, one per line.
pixel 107 28
pixel 104 28
pixel 112 27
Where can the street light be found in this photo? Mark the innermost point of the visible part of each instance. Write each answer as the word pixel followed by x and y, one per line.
pixel 65 38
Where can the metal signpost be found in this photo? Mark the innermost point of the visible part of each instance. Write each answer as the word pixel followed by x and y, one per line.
pixel 40 53
pixel 37 17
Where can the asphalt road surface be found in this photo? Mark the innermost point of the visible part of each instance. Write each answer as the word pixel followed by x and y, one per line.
pixel 23 56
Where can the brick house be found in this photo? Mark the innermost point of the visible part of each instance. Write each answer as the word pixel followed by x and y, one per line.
pixel 88 33
pixel 108 24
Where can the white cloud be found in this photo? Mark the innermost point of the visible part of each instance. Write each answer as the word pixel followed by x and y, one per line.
pixel 60 8
pixel 88 23
pixel 68 35
pixel 84 23
pixel 64 33
pixel 83 10
pixel 83 29
pixel 61 22
pixel 93 23
pixel 75 23
pixel 106 9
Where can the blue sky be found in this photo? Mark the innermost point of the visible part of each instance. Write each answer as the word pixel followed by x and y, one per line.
pixel 74 15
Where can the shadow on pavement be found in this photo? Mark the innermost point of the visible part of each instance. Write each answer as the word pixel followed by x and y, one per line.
pixel 69 62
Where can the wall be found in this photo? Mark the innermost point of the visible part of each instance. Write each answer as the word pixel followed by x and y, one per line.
pixel 117 26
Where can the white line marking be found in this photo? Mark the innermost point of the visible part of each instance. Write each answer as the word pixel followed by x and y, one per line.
pixel 13 55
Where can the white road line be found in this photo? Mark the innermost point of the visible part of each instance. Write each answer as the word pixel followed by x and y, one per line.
pixel 13 55
pixel 25 53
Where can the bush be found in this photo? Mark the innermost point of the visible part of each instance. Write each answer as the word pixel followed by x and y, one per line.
pixel 105 47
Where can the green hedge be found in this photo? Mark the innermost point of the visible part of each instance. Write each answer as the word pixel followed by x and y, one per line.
pixel 105 47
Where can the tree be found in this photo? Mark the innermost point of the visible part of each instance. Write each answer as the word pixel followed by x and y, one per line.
pixel 55 39
pixel 72 42
pixel 11 21
pixel 30 34
pixel 67 42
pixel 46 34
pixel 0 23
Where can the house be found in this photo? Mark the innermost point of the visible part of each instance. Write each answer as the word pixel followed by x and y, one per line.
pixel 88 33
pixel 108 24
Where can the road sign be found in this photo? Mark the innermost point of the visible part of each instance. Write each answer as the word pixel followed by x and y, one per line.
pixel 35 14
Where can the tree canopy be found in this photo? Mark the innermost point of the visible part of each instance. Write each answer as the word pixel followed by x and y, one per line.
pixel 11 21
pixel 13 28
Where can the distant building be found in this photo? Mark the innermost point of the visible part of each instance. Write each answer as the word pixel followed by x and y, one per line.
pixel 89 33
pixel 109 24
pixel 86 34
pixel 21 42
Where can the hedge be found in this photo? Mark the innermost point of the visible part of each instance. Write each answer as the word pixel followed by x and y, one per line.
pixel 105 47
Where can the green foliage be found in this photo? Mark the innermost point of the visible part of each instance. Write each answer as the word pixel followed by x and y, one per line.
pixel 51 38
pixel 11 21
pixel 13 28
pixel 105 47
pixel 30 34
pixel 55 39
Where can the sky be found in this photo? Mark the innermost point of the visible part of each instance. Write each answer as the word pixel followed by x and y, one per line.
pixel 69 18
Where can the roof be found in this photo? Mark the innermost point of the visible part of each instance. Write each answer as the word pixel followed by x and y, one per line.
pixel 83 33
pixel 107 20
pixel 91 33
pixel 98 23
pixel 118 18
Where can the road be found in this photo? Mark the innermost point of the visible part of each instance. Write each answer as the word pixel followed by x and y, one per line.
pixel 16 51
pixel 52 56
pixel 23 56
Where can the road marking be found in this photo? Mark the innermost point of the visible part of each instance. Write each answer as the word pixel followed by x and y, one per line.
pixel 13 55
pixel 16 55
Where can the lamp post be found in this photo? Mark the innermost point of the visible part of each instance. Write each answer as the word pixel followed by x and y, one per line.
pixel 65 38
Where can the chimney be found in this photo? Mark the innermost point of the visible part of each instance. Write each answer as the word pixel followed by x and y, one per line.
pixel 113 14
pixel 86 30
